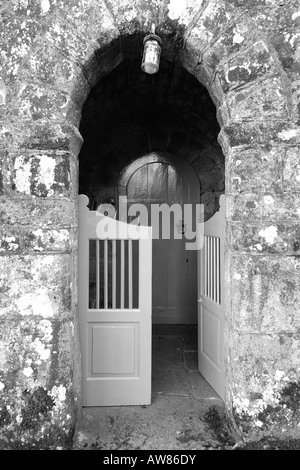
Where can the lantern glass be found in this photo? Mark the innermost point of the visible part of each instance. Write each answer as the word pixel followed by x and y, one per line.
pixel 151 56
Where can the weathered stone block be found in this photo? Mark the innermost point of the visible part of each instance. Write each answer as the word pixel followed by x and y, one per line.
pixel 264 392
pixel 3 93
pixel 251 169
pixel 4 165
pixel 263 206
pixel 246 67
pixel 267 133
pixel 2 170
pixel 38 174
pixel 126 14
pixel 37 212
pixel 40 240
pixel 184 12
pixel 1 182
pixel 283 207
pixel 46 64
pixel 291 169
pixel 92 21
pixel 236 36
pixel 7 137
pixel 36 286
pixel 245 207
pixel 46 135
pixel 10 241
pixel 36 384
pixel 261 102
pixel 34 102
pixel 265 237
pixel 16 38
pixel 73 44
pixel 264 293
pixel 209 25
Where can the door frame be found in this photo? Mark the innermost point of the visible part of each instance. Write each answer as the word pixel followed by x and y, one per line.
pixel 193 197
pixel 184 167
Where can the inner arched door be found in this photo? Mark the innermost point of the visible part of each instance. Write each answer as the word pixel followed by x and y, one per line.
pixel 174 277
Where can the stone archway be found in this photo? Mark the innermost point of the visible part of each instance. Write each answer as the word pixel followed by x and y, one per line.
pixel 51 63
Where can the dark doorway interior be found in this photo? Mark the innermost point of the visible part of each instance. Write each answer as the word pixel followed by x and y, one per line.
pixel 129 114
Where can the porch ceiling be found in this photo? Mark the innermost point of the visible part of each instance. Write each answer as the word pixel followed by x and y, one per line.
pixel 129 113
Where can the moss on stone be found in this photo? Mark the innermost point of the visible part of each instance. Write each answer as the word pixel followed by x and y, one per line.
pixel 5 417
pixel 290 397
pixel 37 407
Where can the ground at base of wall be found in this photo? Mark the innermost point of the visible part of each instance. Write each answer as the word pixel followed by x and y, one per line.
pixel 216 435
pixel 185 413
pixel 271 444
pixel 219 426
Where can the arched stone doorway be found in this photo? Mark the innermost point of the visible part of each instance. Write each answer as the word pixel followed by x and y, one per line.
pixel 218 42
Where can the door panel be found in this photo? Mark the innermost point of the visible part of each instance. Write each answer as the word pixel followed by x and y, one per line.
pixel 105 359
pixel 211 299
pixel 115 277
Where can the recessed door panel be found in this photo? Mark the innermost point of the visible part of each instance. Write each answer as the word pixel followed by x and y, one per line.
pixel 210 336
pixel 106 358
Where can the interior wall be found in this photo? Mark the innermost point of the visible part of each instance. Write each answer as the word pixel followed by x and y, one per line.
pixel 160 179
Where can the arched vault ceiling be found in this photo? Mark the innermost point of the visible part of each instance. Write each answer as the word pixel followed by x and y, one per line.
pixel 129 113
pixel 126 91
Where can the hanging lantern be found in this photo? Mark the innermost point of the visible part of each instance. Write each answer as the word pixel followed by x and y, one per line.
pixel 151 55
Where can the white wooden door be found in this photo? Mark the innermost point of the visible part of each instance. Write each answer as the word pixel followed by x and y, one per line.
pixel 115 268
pixel 174 284
pixel 211 299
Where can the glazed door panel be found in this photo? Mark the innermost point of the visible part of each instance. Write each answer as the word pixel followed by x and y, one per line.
pixel 115 276
pixel 211 299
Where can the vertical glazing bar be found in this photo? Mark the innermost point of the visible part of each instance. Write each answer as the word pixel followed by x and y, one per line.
pixel 97 274
pixel 130 274
pixel 211 267
pixel 218 270
pixel 114 262
pixel 205 265
pixel 215 268
pixel 208 266
pixel 122 273
pixel 105 273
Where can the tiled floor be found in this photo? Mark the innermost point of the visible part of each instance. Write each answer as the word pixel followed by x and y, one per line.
pixel 180 397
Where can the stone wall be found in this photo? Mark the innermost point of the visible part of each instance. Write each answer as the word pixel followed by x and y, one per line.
pixel 246 52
